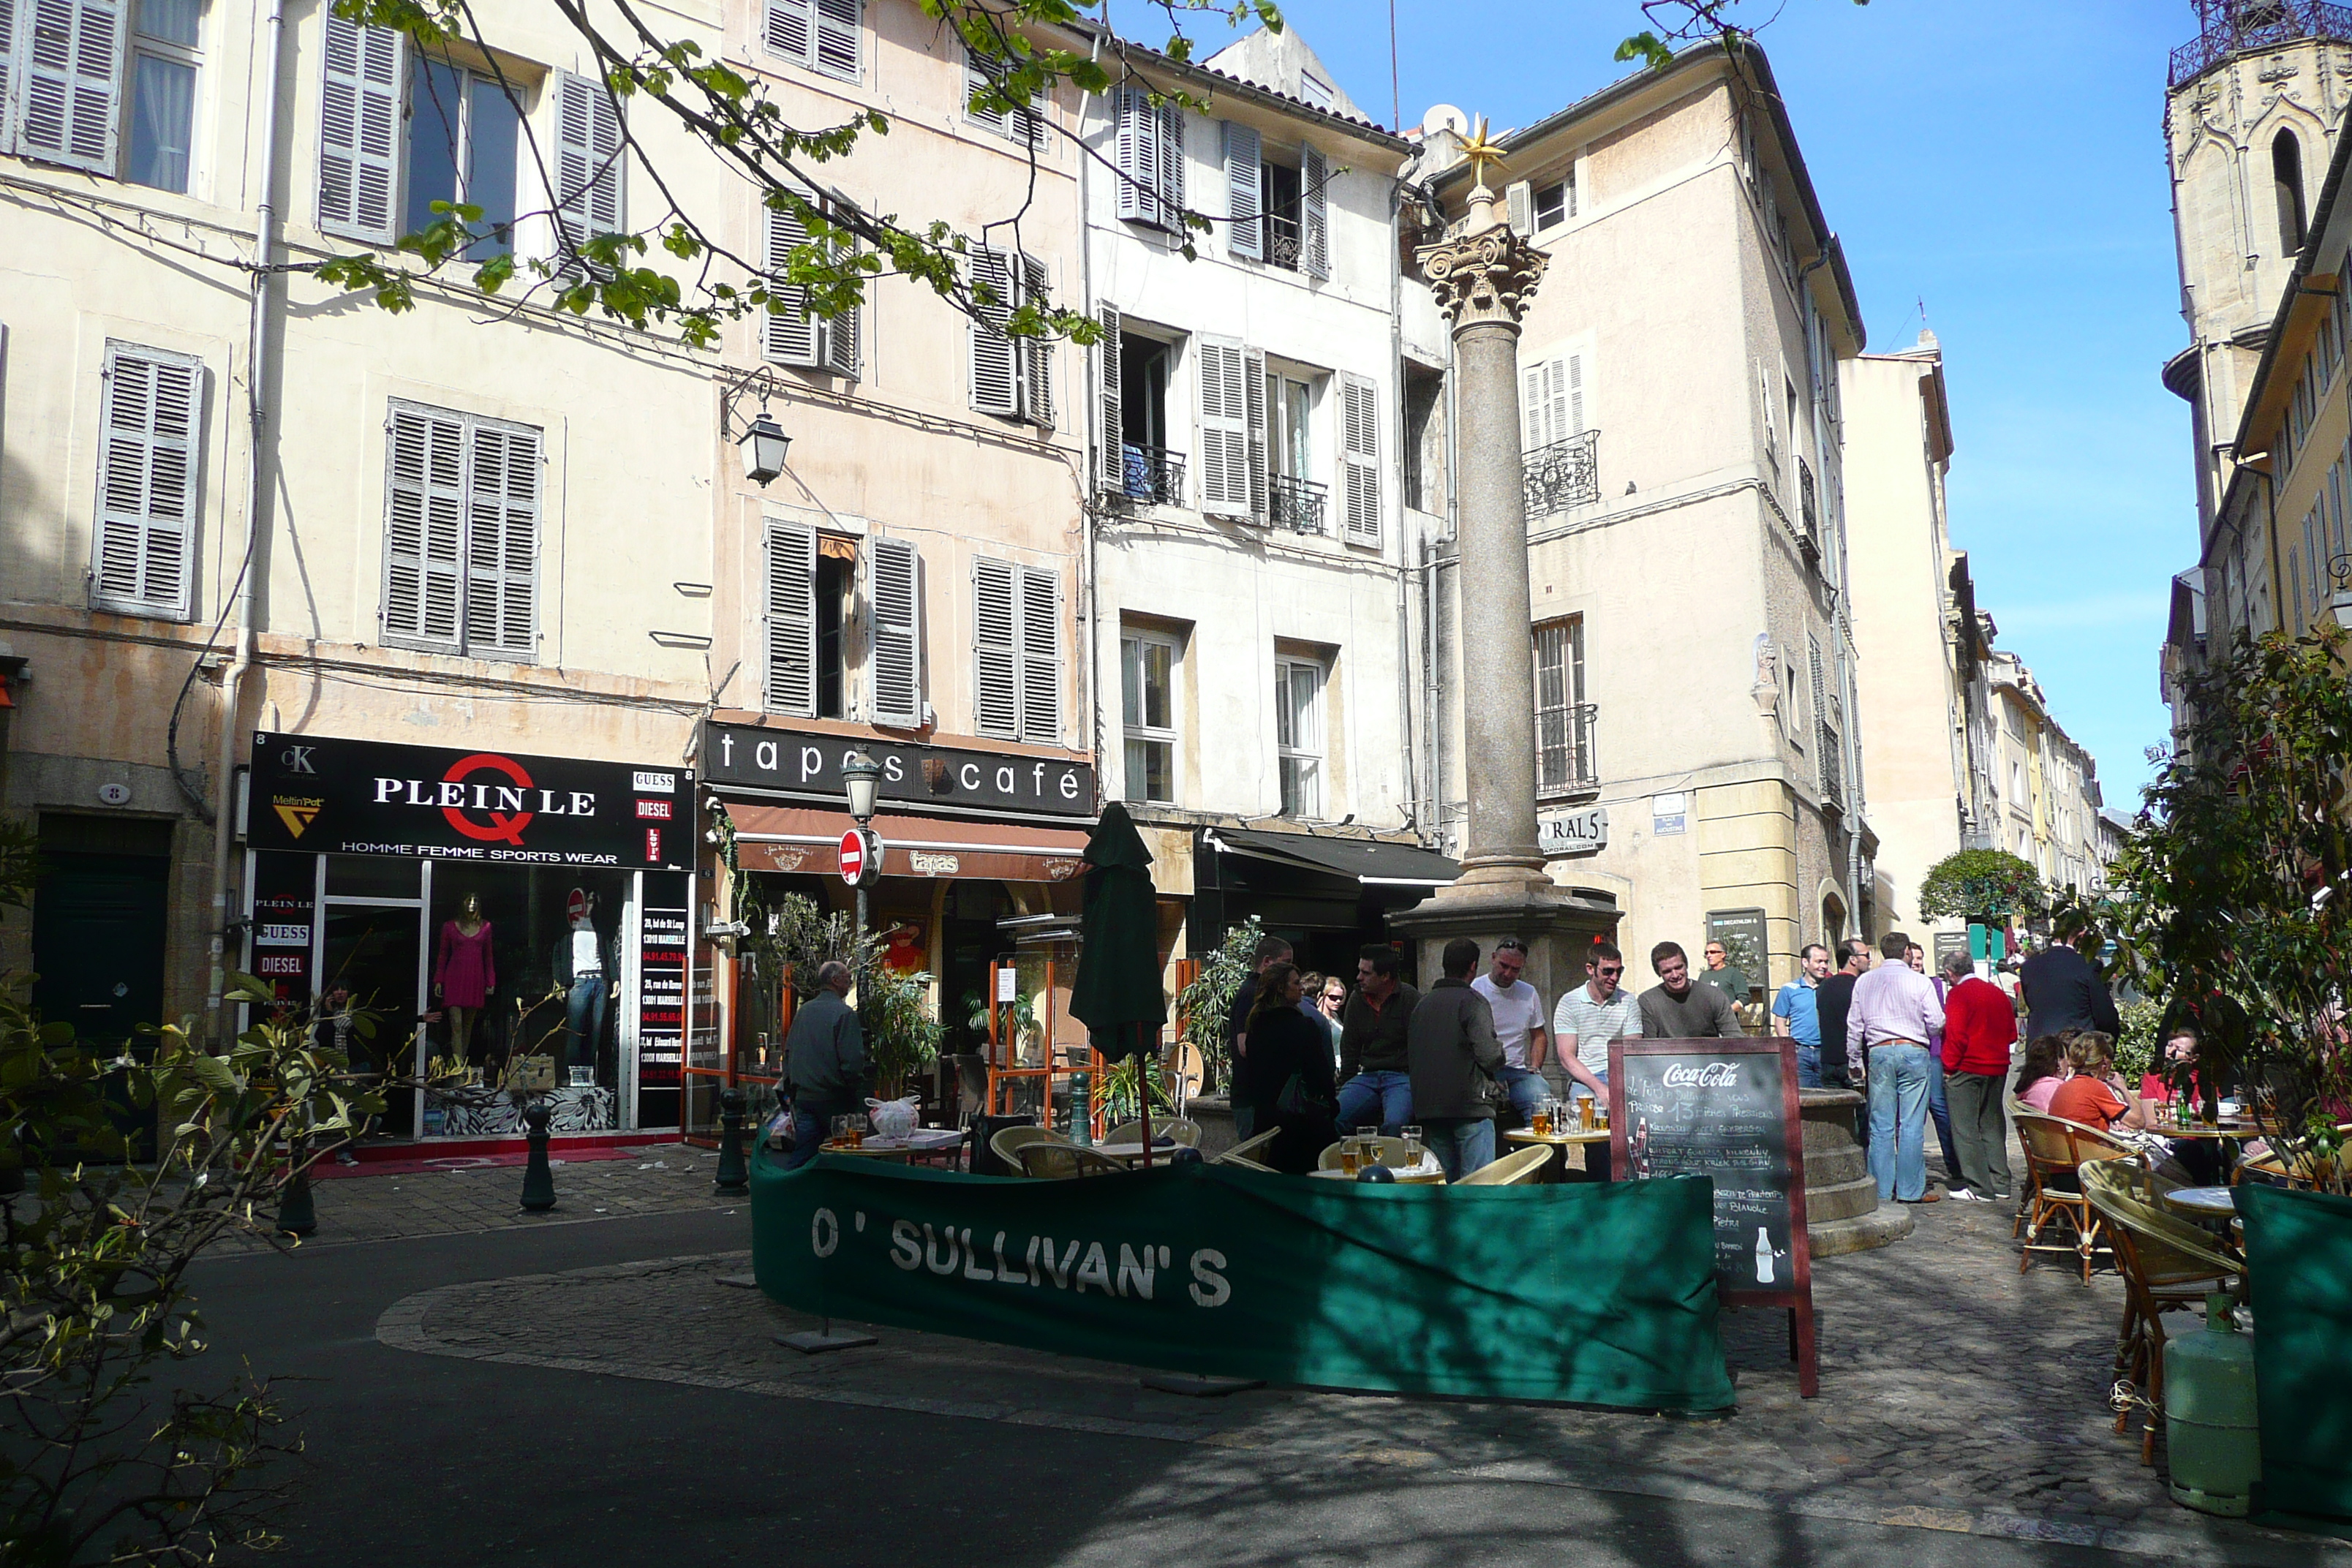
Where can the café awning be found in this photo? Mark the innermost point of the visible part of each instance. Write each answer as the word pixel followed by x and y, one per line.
pixel 803 839
pixel 1365 860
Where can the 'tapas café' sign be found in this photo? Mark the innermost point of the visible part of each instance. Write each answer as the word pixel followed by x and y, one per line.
pixel 361 797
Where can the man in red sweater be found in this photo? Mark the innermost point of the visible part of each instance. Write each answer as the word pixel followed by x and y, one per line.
pixel 1980 1025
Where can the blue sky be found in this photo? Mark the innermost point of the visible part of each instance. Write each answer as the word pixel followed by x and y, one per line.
pixel 2002 161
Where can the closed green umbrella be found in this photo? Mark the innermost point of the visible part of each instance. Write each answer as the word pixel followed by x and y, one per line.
pixel 1116 996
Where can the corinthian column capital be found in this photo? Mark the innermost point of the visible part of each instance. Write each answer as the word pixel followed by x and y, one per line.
pixel 1489 275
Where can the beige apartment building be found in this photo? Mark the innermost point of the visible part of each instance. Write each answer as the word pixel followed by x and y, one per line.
pixel 450 647
pixel 1698 753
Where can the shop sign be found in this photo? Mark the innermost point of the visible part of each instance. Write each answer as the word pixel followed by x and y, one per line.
pixel 1582 832
pixel 661 998
pixel 364 798
pixel 914 777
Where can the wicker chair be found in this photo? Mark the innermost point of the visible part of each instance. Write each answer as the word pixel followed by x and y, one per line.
pixel 1187 1134
pixel 1245 1152
pixel 2308 1171
pixel 2055 1150
pixel 1391 1152
pixel 2168 1265
pixel 1511 1171
pixel 1009 1142
pixel 1058 1160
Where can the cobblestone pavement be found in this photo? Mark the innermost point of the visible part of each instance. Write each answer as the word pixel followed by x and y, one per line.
pixel 1955 1395
pixel 664 1178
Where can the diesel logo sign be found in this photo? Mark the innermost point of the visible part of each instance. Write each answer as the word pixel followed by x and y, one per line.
pixel 653 811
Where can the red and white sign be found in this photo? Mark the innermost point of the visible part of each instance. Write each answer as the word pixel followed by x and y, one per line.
pixel 853 856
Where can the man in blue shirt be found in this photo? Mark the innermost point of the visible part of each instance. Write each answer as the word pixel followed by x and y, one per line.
pixel 1798 1008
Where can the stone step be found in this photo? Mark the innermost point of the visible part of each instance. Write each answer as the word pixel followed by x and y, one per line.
pixel 1879 1228
pixel 1828 1167
pixel 1840 1200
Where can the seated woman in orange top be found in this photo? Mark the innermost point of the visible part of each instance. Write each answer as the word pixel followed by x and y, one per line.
pixel 2094 1096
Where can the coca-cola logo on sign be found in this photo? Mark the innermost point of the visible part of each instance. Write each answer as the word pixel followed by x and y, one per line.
pixel 1715 1075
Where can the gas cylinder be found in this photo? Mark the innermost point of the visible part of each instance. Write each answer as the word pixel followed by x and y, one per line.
pixel 2209 1425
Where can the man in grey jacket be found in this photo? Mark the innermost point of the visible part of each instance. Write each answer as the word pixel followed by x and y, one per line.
pixel 1451 1039
pixel 824 1063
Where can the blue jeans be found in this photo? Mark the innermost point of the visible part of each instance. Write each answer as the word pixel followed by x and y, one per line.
pixel 583 1017
pixel 1392 1091
pixel 1809 1066
pixel 1939 1111
pixel 811 1125
pixel 1898 1121
pixel 1462 1144
pixel 1528 1088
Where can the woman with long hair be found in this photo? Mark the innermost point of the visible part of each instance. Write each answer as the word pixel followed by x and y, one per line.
pixel 1289 1080
pixel 2044 1070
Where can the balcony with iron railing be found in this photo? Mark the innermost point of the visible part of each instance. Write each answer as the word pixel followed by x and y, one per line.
pixel 1810 510
pixel 1295 504
pixel 1154 476
pixel 2228 28
pixel 1283 242
pixel 1562 475
pixel 1564 761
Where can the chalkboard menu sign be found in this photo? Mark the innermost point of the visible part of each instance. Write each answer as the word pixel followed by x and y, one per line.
pixel 1727 1110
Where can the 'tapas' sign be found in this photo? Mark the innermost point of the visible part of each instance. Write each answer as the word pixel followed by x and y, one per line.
pixel 361 797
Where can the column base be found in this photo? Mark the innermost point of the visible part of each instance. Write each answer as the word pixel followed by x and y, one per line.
pixel 1557 923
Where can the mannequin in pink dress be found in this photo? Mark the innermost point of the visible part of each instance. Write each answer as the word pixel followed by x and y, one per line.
pixel 463 974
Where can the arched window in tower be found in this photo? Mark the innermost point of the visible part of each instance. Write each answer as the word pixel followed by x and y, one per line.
pixel 2286 177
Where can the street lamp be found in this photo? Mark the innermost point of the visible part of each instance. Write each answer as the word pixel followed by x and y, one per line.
pixel 859 776
pixel 2340 605
pixel 764 444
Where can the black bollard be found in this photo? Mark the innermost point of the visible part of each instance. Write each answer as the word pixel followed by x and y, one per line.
pixel 734 1179
pixel 296 1216
pixel 538 1181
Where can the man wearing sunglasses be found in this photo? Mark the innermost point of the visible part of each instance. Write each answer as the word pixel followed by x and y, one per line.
pixel 1590 1015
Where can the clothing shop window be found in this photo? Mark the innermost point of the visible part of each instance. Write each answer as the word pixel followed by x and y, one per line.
pixel 163 100
pixel 1148 662
pixel 1298 735
pixel 461 534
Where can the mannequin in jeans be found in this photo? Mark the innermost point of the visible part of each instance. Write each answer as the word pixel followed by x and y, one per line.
pixel 585 977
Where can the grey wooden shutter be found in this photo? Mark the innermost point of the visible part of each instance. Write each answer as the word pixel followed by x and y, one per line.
pixel 70 81
pixel 894 633
pixel 359 129
pixel 144 542
pixel 1172 166
pixel 995 639
pixel 1136 152
pixel 994 379
pixel 502 490
pixel 1572 398
pixel 1037 353
pixel 788 335
pixel 1224 428
pixel 1520 207
pixel 1041 656
pixel 588 194
pixel 791 29
pixel 1244 176
pixel 976 80
pixel 840 34
pixel 840 337
pixel 1359 458
pixel 1315 237
pixel 1260 451
pixel 425 530
pixel 10 35
pixel 1110 468
pixel 791 619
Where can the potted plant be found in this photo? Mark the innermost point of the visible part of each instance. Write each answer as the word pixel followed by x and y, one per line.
pixel 1020 1015
pixel 1205 1005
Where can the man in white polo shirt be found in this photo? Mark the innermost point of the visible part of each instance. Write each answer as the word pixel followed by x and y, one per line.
pixel 1519 1024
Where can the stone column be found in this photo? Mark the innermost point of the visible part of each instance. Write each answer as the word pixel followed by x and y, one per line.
pixel 1483 279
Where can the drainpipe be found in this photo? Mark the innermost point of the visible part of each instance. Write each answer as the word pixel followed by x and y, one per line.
pixel 1404 544
pixel 257 409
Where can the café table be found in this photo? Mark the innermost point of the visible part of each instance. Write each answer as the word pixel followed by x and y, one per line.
pixel 1131 1155
pixel 1559 1170
pixel 1428 1174
pixel 2209 1205
pixel 925 1145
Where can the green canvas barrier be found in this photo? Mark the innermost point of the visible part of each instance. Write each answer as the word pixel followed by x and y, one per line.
pixel 1591 1293
pixel 2299 1258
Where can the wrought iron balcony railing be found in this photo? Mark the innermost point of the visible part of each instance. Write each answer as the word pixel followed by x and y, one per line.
pixel 1564 763
pixel 1295 504
pixel 1810 500
pixel 2230 26
pixel 1562 475
pixel 1282 242
pixel 1152 474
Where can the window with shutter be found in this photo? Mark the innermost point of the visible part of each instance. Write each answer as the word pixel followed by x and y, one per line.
pixel 1111 466
pixel 1314 174
pixel 1140 158
pixel 143 544
pixel 995 358
pixel 9 36
pixel 1243 174
pixel 1520 207
pixel 1261 448
pixel 68 81
pixel 1360 410
pixel 1224 427
pixel 1041 656
pixel 791 619
pixel 791 30
pixel 1037 353
pixel 461 534
pixel 588 165
pixel 1022 122
pixel 840 38
pixel 788 335
pixel 894 659
pixel 359 129
pixel 1172 166
pixel 996 644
